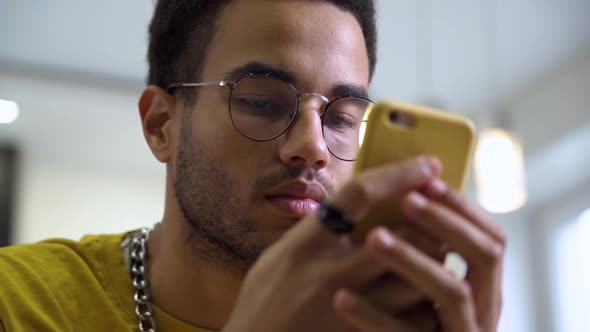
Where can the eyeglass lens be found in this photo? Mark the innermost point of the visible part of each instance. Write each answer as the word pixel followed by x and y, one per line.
pixel 263 107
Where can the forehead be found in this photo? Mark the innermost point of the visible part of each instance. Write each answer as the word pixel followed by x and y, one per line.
pixel 317 41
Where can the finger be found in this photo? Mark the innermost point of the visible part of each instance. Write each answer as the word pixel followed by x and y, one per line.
pixel 482 250
pixel 476 245
pixel 454 296
pixel 363 192
pixel 437 190
pixel 363 316
pixel 487 289
pixel 423 315
pixel 393 294
pixel 429 244
pixel 356 269
pixel 379 184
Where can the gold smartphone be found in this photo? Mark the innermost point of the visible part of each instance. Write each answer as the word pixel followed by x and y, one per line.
pixel 397 131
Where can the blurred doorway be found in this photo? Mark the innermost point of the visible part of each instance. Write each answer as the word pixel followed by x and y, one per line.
pixel 8 157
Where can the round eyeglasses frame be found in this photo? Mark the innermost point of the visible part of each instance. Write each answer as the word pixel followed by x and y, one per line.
pixel 229 84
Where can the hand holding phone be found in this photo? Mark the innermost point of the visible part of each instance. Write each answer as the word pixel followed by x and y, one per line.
pixel 397 131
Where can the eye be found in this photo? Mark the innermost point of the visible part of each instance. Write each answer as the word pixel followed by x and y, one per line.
pixel 344 114
pixel 339 120
pixel 259 106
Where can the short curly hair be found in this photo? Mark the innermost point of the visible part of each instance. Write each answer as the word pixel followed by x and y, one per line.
pixel 181 30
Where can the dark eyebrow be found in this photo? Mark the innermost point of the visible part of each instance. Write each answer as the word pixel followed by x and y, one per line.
pixel 349 90
pixel 258 67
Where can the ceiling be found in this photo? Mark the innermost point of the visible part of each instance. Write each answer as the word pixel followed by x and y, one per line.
pixel 444 50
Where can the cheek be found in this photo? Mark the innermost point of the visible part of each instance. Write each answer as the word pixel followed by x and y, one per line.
pixel 340 173
pixel 234 150
pixel 212 127
pixel 210 120
pixel 240 158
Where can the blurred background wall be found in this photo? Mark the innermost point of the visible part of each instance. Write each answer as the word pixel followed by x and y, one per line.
pixel 76 70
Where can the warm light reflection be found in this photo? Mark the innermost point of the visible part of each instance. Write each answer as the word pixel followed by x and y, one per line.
pixel 499 172
pixel 8 111
pixel 362 132
pixel 363 128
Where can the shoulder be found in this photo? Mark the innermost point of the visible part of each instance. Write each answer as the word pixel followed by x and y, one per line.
pixel 56 277
pixel 52 256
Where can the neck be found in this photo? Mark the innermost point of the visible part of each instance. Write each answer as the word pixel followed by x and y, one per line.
pixel 184 284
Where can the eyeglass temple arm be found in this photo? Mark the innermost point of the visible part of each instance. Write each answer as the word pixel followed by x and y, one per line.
pixel 174 86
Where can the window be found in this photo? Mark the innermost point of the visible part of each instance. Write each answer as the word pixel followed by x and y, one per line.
pixel 571 268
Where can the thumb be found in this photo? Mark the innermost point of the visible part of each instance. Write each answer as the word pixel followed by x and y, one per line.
pixel 363 192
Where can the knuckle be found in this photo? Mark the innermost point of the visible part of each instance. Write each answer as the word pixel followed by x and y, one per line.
pixel 329 276
pixel 453 195
pixel 417 167
pixel 500 250
pixel 492 252
pixel 403 250
pixel 317 286
pixel 459 196
pixel 502 238
pixel 361 191
pixel 489 253
pixel 464 292
pixel 458 293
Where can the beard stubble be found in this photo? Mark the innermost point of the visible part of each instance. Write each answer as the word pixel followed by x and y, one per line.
pixel 208 198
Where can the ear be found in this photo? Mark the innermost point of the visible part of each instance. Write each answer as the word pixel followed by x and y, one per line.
pixel 156 109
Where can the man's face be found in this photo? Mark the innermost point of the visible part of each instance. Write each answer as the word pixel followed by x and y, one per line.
pixel 241 195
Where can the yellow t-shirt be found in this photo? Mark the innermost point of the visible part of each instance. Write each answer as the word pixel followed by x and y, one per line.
pixel 64 285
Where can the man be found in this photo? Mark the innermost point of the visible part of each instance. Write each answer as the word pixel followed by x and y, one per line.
pixel 255 108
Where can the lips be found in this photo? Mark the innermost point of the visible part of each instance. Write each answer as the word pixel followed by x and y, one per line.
pixel 296 199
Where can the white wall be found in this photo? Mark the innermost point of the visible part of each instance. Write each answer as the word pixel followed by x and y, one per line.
pixel 83 166
pixel 473 61
pixel 67 202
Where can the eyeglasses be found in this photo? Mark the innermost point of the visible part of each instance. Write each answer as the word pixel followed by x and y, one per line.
pixel 262 107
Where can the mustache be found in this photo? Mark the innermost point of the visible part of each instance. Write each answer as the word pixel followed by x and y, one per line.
pixel 287 174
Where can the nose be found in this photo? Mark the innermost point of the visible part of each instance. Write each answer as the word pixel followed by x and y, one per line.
pixel 304 143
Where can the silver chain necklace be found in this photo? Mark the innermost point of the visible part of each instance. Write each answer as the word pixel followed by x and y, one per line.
pixel 137 260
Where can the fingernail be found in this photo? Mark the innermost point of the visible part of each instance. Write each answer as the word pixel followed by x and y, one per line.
pixel 438 187
pixel 344 298
pixel 385 238
pixel 426 167
pixel 416 200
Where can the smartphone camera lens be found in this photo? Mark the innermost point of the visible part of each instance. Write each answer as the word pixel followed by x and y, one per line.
pixel 394 117
pixel 402 119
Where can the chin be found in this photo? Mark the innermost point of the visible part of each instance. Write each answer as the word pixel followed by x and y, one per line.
pixel 270 235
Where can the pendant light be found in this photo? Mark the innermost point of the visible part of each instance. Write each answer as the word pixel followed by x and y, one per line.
pixel 499 162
